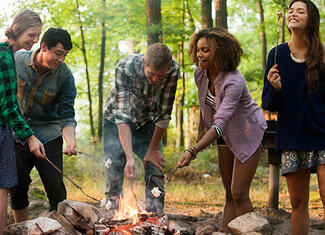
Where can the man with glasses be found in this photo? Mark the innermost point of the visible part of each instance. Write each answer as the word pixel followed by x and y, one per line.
pixel 46 94
pixel 136 117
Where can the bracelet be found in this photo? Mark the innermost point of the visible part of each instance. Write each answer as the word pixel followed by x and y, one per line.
pixel 188 150
pixel 193 151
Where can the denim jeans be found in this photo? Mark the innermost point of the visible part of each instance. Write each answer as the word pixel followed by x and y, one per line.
pixel 113 150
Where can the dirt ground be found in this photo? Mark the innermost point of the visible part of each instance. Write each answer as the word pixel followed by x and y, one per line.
pixel 279 219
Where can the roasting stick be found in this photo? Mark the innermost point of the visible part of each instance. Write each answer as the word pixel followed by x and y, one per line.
pixel 106 163
pixel 135 197
pixel 89 156
pixel 173 171
pixel 279 14
pixel 78 187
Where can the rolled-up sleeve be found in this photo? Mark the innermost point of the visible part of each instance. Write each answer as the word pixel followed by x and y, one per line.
pixel 122 112
pixel 66 99
pixel 167 98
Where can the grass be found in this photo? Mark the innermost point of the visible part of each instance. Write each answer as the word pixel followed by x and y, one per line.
pixel 197 186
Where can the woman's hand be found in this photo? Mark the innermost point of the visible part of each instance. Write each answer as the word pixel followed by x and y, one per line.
pixel 185 159
pixel 274 78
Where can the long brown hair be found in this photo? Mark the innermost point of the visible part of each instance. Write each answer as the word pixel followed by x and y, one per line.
pixel 314 57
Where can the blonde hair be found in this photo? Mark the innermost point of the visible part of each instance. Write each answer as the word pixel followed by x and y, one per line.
pixel 21 22
pixel 159 56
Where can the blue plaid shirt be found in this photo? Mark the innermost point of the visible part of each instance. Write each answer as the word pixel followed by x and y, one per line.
pixel 133 100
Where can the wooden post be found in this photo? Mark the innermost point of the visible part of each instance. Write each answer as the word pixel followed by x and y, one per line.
pixel 274 178
pixel 274 186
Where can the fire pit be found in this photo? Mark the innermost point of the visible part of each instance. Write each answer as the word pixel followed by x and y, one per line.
pixel 146 224
pixel 130 220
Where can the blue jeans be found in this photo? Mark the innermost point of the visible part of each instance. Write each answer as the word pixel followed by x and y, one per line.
pixel 113 150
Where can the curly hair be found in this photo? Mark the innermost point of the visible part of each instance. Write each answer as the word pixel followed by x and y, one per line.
pixel 314 58
pixel 225 48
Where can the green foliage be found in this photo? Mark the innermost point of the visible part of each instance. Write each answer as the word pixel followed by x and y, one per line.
pixel 125 24
pixel 206 162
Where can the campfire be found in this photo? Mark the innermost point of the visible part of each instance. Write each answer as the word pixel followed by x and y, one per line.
pixel 132 219
pixel 146 224
pixel 74 218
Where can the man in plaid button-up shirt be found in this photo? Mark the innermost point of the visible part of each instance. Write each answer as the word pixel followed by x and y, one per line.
pixel 136 117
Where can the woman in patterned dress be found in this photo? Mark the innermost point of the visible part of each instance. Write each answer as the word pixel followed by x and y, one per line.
pixel 294 86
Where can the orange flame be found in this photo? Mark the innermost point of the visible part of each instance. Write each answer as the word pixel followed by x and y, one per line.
pixel 127 209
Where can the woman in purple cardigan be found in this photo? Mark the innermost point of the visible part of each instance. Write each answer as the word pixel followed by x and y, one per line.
pixel 228 111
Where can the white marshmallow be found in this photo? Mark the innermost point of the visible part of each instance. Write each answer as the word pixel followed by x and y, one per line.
pixel 108 205
pixel 102 202
pixel 108 163
pixel 155 192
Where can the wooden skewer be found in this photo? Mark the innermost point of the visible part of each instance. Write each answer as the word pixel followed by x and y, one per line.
pixel 135 197
pixel 78 187
pixel 279 14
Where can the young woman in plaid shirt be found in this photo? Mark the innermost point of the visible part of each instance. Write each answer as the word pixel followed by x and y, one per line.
pixel 22 34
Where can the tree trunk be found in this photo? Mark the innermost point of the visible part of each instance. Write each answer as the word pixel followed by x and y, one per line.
pixel 262 32
pixel 153 15
pixel 83 49
pixel 283 21
pixel 206 13
pixel 193 123
pixel 101 74
pixel 181 96
pixel 221 13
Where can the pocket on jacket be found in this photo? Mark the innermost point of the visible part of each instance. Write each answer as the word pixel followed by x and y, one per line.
pixel 48 96
pixel 21 84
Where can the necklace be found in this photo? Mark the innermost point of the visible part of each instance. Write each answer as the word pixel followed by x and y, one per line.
pixel 296 59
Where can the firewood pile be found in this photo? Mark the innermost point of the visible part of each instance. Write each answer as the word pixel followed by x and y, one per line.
pixel 75 218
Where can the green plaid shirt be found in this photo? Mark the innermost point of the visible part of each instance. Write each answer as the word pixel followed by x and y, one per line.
pixel 9 108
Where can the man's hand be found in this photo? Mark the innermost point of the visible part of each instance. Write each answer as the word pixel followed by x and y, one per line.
pixel 70 149
pixel 185 159
pixel 274 78
pixel 129 170
pixel 156 158
pixel 69 136
pixel 36 147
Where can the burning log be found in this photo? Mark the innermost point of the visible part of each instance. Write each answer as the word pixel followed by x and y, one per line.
pixel 82 215
pixel 66 225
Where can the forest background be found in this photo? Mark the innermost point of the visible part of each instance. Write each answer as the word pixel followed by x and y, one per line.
pixel 104 31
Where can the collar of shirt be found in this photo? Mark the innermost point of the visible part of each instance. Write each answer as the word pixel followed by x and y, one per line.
pixel 33 59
